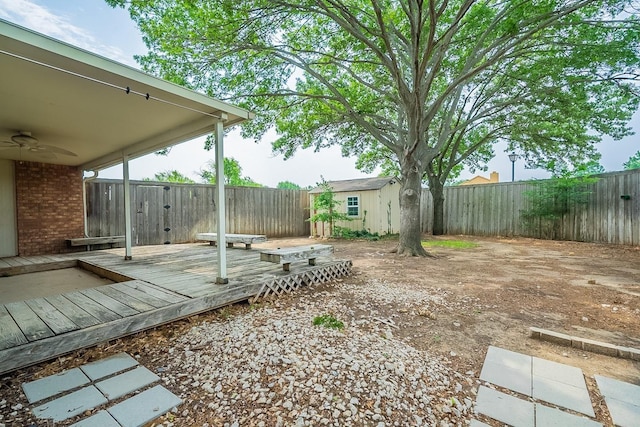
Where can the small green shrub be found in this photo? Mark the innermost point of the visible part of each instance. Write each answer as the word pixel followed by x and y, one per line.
pixel 328 321
pixel 347 233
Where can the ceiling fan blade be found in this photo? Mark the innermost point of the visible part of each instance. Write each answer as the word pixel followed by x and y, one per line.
pixel 46 155
pixel 8 144
pixel 51 149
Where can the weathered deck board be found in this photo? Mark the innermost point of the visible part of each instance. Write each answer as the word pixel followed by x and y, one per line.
pixel 170 297
pixel 126 288
pixel 76 314
pixel 125 299
pixel 30 353
pixel 29 323
pixel 10 333
pixel 55 320
pixel 114 305
pixel 95 309
pixel 170 282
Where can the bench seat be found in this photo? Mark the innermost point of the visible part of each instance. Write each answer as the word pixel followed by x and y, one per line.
pixel 247 239
pixel 286 256
pixel 89 241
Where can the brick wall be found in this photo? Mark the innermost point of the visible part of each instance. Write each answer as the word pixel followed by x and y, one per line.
pixel 49 207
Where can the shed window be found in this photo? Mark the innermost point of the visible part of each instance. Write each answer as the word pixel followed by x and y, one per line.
pixel 353 206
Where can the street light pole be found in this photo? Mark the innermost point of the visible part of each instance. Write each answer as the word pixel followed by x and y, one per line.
pixel 513 157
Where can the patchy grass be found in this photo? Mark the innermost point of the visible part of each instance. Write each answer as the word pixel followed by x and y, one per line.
pixel 454 244
pixel 328 321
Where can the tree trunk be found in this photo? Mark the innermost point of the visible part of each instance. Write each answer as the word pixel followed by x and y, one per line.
pixel 410 242
pixel 437 193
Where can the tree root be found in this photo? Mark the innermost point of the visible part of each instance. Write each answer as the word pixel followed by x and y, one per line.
pixel 411 252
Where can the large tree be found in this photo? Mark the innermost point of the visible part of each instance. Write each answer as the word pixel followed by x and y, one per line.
pixel 171 176
pixel 633 162
pixel 396 77
pixel 232 174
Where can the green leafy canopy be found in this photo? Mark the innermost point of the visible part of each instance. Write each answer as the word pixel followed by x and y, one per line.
pixel 232 174
pixel 419 87
pixel 633 162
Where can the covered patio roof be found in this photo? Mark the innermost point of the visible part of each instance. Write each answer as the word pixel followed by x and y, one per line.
pixel 63 105
pixel 89 111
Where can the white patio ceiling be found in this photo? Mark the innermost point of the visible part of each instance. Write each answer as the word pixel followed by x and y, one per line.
pixel 77 101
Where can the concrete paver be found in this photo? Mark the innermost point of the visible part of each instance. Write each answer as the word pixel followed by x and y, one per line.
pixel 144 407
pixel 100 419
pixel 552 417
pixel 109 366
pixel 623 414
pixel 623 400
pixel 515 378
pixel 619 390
pixel 54 384
pixel 505 408
pixel 547 382
pixel 508 358
pixel 127 382
pixel 567 396
pixel 558 372
pixel 104 380
pixel 70 404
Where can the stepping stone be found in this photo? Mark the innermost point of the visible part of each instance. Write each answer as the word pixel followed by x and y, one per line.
pixel 476 423
pixel 54 384
pixel 623 400
pixel 109 366
pixel 552 417
pixel 510 359
pixel 505 408
pixel 127 382
pixel 558 372
pixel 100 419
pixel 70 404
pixel 508 369
pixel 144 407
pixel 564 395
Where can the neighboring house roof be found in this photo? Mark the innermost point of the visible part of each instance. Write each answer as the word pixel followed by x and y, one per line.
pixel 92 106
pixel 362 184
pixel 478 179
pixel 494 177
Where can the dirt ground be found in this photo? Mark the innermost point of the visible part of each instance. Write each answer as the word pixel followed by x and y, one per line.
pixel 493 293
pixel 486 295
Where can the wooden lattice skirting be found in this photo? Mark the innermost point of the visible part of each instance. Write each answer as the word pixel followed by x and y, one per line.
pixel 289 283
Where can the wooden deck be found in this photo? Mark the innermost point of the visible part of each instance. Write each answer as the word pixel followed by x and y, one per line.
pixel 161 284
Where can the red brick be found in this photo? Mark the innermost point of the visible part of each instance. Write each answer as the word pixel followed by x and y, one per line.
pixel 49 207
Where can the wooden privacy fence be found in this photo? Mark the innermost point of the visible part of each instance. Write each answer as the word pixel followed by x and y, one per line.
pixel 174 213
pixel 611 214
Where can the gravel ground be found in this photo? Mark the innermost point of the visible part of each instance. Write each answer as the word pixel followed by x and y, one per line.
pixel 414 338
pixel 271 366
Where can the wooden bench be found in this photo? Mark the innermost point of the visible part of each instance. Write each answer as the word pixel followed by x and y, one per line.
pixel 247 239
pixel 286 256
pixel 89 241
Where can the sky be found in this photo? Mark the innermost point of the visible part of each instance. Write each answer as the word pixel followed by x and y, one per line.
pixel 94 26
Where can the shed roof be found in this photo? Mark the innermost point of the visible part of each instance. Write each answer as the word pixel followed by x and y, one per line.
pixel 89 111
pixel 361 184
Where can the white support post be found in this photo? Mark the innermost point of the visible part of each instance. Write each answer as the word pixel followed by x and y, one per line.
pixel 221 205
pixel 127 207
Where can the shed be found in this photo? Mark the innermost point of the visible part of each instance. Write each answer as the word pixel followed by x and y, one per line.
pixel 373 204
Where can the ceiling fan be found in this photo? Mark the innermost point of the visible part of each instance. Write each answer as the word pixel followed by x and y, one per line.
pixel 24 141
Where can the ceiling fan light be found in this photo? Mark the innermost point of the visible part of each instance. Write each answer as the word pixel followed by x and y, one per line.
pixel 24 139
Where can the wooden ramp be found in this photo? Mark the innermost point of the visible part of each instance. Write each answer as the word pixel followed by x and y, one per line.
pixel 161 284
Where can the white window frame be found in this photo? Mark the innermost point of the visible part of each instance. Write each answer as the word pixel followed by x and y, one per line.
pixel 351 206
